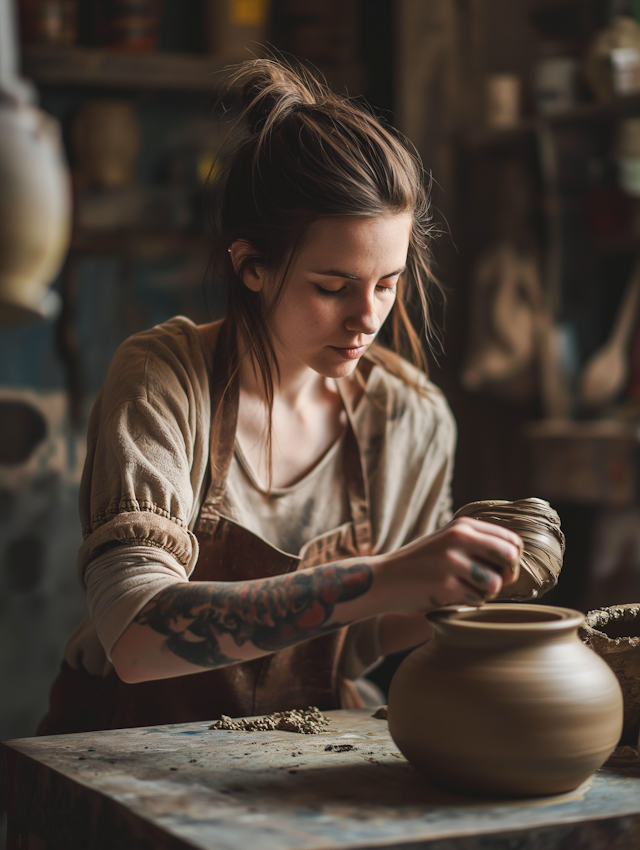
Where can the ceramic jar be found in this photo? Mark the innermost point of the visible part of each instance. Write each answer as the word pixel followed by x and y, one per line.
pixel 614 633
pixel 106 143
pixel 505 700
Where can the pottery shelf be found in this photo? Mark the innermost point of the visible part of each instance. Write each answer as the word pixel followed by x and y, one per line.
pixel 90 67
pixel 591 462
pixel 140 244
pixel 618 108
pixel 84 66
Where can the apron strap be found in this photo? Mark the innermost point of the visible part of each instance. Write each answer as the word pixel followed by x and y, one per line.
pixel 356 481
pixel 225 396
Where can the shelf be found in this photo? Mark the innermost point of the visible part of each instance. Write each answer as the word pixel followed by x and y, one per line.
pixel 83 66
pixel 592 462
pixel 90 67
pixel 585 112
pixel 141 244
pixel 588 429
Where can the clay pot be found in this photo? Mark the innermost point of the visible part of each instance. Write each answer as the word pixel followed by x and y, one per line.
pixel 614 633
pixel 505 700
pixel 35 209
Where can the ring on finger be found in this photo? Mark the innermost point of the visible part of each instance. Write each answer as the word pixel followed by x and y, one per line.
pixel 482 576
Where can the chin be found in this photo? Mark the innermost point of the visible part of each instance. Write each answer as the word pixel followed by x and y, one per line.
pixel 338 370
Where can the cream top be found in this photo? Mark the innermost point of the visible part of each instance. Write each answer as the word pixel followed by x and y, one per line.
pixel 144 477
pixel 288 517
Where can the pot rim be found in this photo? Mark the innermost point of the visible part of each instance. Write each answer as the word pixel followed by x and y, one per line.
pixel 469 618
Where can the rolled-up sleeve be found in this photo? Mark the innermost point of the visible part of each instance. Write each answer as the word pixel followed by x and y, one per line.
pixel 147 453
pixel 121 582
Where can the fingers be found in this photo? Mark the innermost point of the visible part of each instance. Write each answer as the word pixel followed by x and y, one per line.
pixel 464 563
pixel 457 591
pixel 483 543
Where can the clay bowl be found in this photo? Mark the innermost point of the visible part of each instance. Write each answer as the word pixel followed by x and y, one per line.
pixel 614 633
pixel 505 700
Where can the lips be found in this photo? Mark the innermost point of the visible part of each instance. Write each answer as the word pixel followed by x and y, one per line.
pixel 352 353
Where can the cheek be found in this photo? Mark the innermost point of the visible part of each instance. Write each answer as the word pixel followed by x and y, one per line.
pixel 316 315
pixel 300 320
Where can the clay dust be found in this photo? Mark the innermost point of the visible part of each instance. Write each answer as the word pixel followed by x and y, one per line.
pixel 307 721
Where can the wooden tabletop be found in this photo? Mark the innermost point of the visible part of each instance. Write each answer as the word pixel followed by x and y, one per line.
pixel 185 786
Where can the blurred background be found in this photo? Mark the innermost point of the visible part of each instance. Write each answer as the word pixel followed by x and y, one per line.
pixel 527 116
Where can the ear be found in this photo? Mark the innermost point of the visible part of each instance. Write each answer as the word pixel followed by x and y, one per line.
pixel 253 276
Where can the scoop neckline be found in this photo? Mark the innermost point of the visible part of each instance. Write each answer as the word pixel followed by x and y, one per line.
pixel 283 491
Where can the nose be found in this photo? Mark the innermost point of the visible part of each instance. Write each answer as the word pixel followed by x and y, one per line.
pixel 363 317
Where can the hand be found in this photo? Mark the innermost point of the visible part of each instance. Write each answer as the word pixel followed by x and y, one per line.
pixel 464 563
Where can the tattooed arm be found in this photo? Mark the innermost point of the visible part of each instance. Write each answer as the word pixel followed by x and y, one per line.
pixel 195 626
pixel 213 624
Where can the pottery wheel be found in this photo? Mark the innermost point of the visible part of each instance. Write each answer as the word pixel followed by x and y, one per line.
pixel 539 527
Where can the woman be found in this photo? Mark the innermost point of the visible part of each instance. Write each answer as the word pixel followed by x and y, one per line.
pixel 265 499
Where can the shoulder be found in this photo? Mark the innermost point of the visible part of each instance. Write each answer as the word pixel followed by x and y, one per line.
pixel 409 399
pixel 173 357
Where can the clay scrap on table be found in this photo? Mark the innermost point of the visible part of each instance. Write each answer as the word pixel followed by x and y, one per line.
pixel 614 633
pixel 306 721
pixel 539 527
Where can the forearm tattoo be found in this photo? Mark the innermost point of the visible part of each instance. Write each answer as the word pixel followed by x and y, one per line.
pixel 271 613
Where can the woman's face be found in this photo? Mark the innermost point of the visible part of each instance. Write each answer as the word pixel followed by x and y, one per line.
pixel 341 289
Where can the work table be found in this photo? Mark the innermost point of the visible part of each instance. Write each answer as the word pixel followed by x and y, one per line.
pixel 186 786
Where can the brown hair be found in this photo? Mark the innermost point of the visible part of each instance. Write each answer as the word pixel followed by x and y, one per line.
pixel 308 154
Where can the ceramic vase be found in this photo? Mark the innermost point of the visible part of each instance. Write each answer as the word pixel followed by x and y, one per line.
pixel 505 700
pixel 35 209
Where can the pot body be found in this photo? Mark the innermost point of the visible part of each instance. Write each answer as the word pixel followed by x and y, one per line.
pixel 35 209
pixel 506 700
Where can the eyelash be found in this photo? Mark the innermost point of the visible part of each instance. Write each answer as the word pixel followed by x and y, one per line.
pixel 330 292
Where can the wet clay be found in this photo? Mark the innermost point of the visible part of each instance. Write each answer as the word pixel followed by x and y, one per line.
pixel 539 527
pixel 614 633
pixel 506 700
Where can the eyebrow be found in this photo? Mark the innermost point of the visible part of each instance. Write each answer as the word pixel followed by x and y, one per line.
pixel 338 273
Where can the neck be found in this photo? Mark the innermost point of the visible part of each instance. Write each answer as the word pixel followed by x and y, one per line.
pixel 296 384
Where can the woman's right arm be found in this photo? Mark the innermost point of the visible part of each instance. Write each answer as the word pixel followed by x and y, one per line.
pixel 194 626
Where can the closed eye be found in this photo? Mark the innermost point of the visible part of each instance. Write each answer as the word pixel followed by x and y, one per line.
pixel 329 292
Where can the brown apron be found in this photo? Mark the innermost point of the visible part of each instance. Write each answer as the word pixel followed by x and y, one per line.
pixel 296 677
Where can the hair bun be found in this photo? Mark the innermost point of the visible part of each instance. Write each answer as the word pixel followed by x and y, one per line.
pixel 272 89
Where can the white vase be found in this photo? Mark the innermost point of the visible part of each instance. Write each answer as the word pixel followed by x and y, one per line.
pixel 35 209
